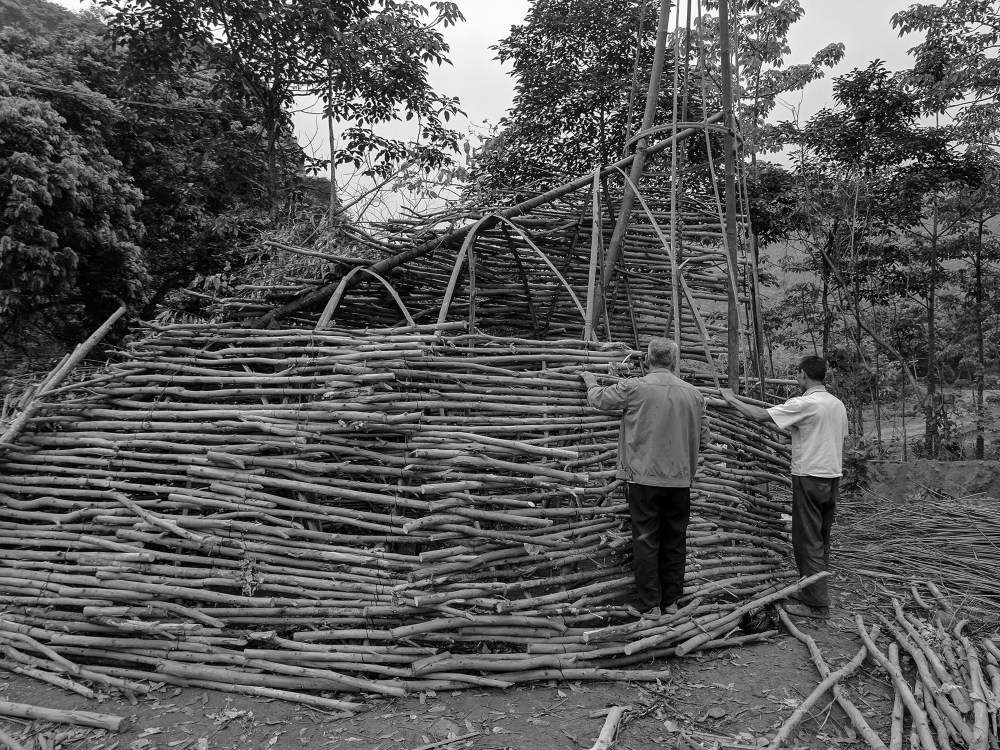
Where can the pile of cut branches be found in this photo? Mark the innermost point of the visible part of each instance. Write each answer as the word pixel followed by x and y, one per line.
pixel 951 542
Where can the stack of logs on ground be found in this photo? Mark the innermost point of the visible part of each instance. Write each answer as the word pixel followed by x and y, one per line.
pixel 945 681
pixel 296 513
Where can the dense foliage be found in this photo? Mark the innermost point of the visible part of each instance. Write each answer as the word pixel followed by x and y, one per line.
pixel 367 59
pixel 957 69
pixel 129 169
pixel 577 67
pixel 109 201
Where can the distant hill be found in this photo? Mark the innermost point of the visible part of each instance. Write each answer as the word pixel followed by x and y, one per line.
pixel 41 17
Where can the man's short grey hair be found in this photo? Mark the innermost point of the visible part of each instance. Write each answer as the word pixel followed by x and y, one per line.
pixel 662 352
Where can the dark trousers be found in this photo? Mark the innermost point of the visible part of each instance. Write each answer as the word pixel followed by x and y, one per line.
pixel 814 500
pixel 659 541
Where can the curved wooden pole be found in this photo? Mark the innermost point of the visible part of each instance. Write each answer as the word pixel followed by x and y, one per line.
pixel 641 149
pixel 550 264
pixel 327 316
pixel 457 268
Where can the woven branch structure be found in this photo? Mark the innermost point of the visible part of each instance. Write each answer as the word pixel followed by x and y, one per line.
pixel 418 498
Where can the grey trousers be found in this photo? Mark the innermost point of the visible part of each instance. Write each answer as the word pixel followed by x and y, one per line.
pixel 814 501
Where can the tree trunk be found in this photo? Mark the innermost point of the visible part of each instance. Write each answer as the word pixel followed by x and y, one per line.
pixel 826 270
pixel 980 341
pixel 931 437
pixel 825 306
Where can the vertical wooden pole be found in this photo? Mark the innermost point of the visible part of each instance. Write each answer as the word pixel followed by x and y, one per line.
pixel 595 247
pixel 332 137
pixel 648 119
pixel 726 70
pixel 675 282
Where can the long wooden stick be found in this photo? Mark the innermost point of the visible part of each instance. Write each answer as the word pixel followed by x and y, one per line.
pixel 9 742
pixel 830 681
pixel 854 714
pixel 82 718
pixel 896 716
pixel 920 725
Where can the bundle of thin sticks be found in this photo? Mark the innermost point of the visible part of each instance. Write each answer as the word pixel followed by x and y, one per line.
pixel 951 542
pixel 287 512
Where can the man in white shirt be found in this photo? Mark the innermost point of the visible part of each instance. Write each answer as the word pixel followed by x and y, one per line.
pixel 817 422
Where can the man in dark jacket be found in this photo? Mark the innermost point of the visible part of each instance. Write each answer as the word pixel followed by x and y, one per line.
pixel 664 426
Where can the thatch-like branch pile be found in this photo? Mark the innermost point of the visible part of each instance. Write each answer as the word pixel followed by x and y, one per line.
pixel 534 275
pixel 388 511
pixel 953 542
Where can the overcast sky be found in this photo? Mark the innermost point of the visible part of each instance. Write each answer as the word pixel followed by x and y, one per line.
pixel 486 88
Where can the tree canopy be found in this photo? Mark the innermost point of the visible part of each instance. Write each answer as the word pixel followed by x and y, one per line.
pixel 367 58
pixel 113 196
pixel 957 68
pixel 581 65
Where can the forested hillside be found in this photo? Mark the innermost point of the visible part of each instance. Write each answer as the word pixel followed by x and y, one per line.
pixel 146 145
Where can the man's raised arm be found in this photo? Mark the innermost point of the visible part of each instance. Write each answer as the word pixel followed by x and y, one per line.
pixel 750 411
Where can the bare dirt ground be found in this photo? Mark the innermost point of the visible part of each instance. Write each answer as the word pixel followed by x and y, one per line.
pixel 730 697
pixel 897 481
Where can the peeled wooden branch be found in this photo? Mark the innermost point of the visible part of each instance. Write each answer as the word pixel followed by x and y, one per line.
pixel 82 718
pixel 980 724
pixel 829 682
pixel 726 622
pixel 948 682
pixel 854 714
pixel 9 742
pixel 896 717
pixel 920 725
pixel 606 738
pixel 934 689
pixel 56 377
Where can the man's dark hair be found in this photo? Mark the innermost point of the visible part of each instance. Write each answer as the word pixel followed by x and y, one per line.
pixel 814 367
